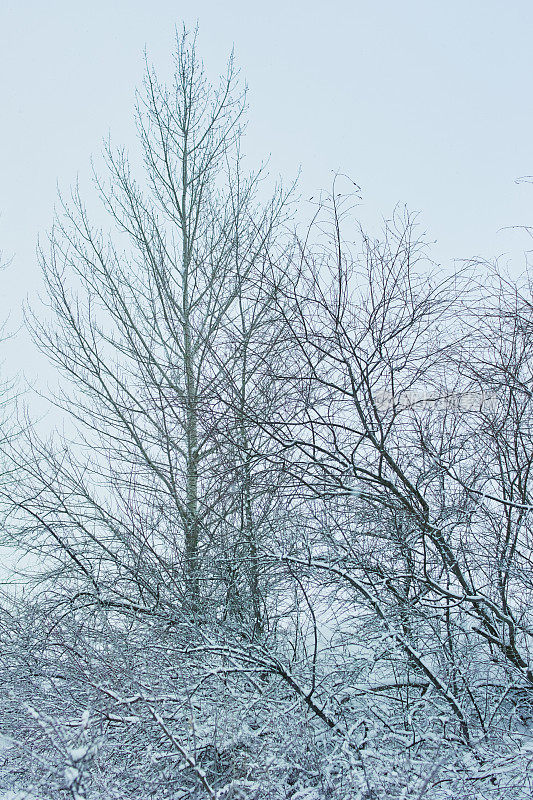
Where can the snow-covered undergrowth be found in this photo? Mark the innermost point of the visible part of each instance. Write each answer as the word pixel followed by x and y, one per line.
pixel 153 713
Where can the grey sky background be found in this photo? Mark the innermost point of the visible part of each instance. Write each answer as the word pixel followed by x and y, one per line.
pixel 422 102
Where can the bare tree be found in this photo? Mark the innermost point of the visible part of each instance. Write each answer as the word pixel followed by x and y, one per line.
pixel 140 318
pixel 394 439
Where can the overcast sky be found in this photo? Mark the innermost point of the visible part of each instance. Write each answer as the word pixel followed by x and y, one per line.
pixel 427 103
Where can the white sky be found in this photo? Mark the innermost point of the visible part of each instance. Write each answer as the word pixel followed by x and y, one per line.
pixel 423 102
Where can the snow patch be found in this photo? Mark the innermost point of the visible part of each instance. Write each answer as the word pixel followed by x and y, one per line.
pixel 6 743
pixel 19 795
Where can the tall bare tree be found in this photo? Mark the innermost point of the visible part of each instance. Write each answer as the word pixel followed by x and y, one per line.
pixel 140 320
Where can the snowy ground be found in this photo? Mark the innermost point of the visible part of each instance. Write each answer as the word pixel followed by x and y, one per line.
pixel 18 796
pixel 6 743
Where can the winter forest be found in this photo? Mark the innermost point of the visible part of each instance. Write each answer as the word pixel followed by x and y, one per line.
pixel 279 544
